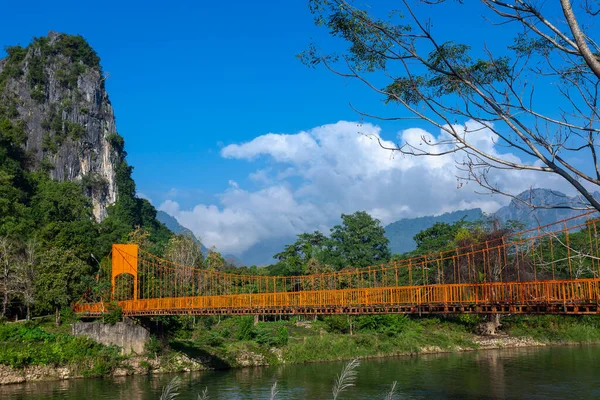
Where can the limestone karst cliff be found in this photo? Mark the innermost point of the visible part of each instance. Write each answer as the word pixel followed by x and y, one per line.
pixel 54 88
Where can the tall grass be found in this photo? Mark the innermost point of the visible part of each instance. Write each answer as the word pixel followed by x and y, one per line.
pixel 346 378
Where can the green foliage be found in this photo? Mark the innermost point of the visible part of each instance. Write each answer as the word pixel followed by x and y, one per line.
pixel 76 49
pixel 58 215
pixel 117 143
pixel 94 182
pixel 68 75
pixel 438 238
pixel 555 328
pixel 114 314
pixel 388 324
pixel 12 67
pixel 153 347
pixel 74 130
pixel 15 182
pixel 294 259
pixel 469 320
pixel 359 242
pixel 23 345
pixel 38 94
pixel 246 328
pixel 271 334
pixel 337 324
pixel 63 217
pixel 61 279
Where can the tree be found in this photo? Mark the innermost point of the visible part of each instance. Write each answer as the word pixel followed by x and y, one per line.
pixel 313 267
pixel 294 259
pixel 62 278
pixel 139 236
pixel 549 52
pixel 63 215
pixel 359 242
pixel 7 271
pixel 214 260
pixel 184 250
pixel 26 275
pixel 437 238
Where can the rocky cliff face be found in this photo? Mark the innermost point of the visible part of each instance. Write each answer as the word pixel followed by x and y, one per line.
pixel 55 88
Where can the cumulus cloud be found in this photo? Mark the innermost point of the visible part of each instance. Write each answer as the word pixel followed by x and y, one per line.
pixel 341 168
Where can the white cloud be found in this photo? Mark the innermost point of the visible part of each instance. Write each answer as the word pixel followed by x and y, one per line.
pixel 342 168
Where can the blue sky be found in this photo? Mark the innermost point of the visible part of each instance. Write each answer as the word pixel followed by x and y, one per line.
pixel 187 79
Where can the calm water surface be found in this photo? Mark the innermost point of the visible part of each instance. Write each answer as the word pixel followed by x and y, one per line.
pixel 533 373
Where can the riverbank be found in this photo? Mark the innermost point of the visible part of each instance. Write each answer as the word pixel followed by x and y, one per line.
pixel 39 351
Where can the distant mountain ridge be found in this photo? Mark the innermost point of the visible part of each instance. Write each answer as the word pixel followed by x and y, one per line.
pixel 519 210
pixel 401 233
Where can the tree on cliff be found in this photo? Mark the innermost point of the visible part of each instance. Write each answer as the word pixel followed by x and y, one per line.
pixel 547 51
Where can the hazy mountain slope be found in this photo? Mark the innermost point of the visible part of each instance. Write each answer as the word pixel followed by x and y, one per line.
pixel 401 232
pixel 532 218
pixel 175 227
pixel 262 252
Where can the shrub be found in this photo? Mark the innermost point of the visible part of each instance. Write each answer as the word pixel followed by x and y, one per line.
pixel 153 347
pixel 337 324
pixel 282 335
pixel 117 142
pixel 114 315
pixel 38 95
pixel 470 321
pixel 390 324
pixel 246 328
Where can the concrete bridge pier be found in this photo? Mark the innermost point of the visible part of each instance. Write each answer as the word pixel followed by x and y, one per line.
pixel 128 335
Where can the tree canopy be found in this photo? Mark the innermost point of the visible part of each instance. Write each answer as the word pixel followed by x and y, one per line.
pixel 358 242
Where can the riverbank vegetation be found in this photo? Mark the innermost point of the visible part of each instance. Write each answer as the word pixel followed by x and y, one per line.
pixel 32 343
pixel 187 343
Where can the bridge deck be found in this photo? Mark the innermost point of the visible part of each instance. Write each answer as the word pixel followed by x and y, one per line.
pixel 578 296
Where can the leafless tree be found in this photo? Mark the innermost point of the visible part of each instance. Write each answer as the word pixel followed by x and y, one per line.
pixel 8 253
pixel 537 94
pixel 25 275
pixel 185 251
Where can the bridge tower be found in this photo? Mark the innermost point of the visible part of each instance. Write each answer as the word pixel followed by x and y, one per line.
pixel 125 261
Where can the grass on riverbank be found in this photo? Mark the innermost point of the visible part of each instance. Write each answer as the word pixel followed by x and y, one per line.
pixel 27 344
pixel 236 341
pixel 554 329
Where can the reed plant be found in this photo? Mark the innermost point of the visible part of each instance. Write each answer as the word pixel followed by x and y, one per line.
pixel 344 381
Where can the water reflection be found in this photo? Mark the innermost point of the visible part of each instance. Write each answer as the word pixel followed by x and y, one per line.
pixel 532 373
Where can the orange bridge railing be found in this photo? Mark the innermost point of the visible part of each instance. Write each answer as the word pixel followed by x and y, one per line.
pixel 552 269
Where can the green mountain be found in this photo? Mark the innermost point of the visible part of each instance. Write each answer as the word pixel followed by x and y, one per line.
pixel 66 191
pixel 401 233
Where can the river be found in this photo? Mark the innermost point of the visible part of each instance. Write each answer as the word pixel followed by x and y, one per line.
pixel 570 372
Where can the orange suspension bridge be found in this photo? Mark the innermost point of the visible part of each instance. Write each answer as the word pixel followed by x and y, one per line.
pixel 551 269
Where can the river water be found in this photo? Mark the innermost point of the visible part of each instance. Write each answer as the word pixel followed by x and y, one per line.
pixel 526 373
